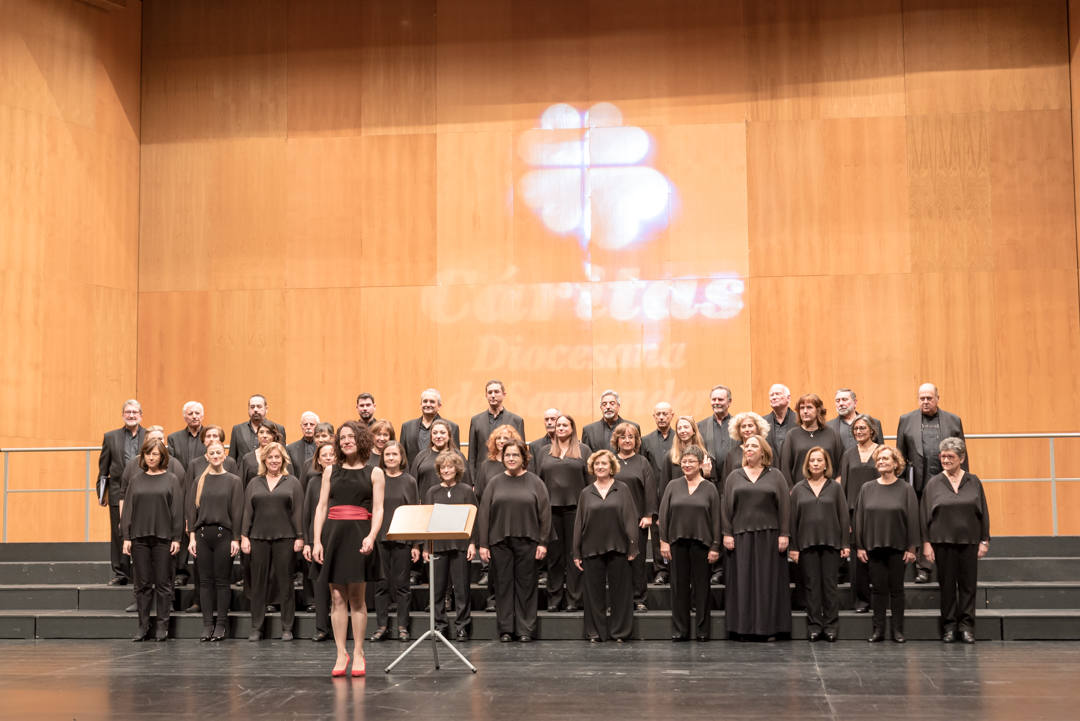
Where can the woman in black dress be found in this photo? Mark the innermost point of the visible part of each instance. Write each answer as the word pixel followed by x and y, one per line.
pixel 690 541
pixel 351 509
pixel 856 469
pixel 152 524
pixel 397 556
pixel 605 542
pixel 886 524
pixel 562 468
pixel 742 426
pixel 819 540
pixel 273 532
pixel 324 458
pixel 215 511
pixel 956 534
pixel 756 516
pixel 515 523
pixel 423 466
pixel 638 474
pixel 453 558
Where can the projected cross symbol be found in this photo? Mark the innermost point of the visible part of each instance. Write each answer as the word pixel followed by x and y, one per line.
pixel 589 176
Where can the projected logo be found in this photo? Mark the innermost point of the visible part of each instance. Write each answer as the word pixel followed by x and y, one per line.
pixel 590 179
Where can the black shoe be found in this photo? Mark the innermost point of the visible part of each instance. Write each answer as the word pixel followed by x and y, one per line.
pixel 403 635
pixel 717 578
pixel 505 637
pixel 310 608
pixel 703 639
pixel 180 581
pixel 640 608
pixel 462 635
pixel 142 635
pixel 862 609
pixel 922 576
pixel 161 633
pixel 898 637
pixel 570 608
pixel 553 608
pixel 830 637
pixel 967 637
pixel 490 607
pixel 219 633
pixel 661 579
pixel 483 579
pixel 813 636
pixel 118 581
pixel 380 634
pixel 287 635
pixel 620 640
pixel 949 636
pixel 679 639
pixel 194 608
pixel 595 639
pixel 207 634
pixel 525 639
pixel 877 636
pixel 132 608
pixel 320 636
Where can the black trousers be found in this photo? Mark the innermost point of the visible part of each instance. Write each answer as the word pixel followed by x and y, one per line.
pixel 887 587
pixel 153 579
pixel 821 572
pixel 958 565
pixel 180 560
pixel 860 581
pixel 513 560
pixel 121 564
pixel 321 593
pixel 659 565
pixel 394 586
pixel 451 567
pixel 564 580
pixel 639 574
pixel 271 564
pixel 213 565
pixel 607 583
pixel 689 584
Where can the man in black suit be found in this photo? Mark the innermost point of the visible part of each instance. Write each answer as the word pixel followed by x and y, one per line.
pixel 243 439
pixel 917 437
pixel 541 444
pixel 846 413
pixel 597 435
pixel 714 429
pixel 483 423
pixel 302 451
pixel 365 409
pixel 656 448
pixel 416 434
pixel 185 444
pixel 780 417
pixel 118 447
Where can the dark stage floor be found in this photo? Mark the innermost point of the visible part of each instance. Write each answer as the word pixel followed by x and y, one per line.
pixel 544 680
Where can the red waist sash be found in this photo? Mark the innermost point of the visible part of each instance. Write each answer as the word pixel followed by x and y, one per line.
pixel 349 513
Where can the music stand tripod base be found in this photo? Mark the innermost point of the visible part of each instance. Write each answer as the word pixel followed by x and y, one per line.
pixel 432 632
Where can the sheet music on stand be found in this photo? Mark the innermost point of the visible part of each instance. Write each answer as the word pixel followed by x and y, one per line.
pixel 446 518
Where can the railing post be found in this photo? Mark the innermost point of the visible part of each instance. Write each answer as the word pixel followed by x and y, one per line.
pixel 5 493
pixel 88 491
pixel 1053 487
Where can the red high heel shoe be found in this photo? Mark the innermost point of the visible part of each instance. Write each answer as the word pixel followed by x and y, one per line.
pixel 339 673
pixel 359 666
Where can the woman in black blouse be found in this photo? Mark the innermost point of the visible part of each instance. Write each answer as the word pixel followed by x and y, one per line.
pixel 605 541
pixel 856 469
pixel 690 540
pixel 638 474
pixel 324 458
pixel 515 524
pixel 382 432
pixel 397 556
pixel 562 468
pixel 956 534
pixel 742 426
pixel 272 533
pixel 215 511
pixel 819 540
pixel 756 516
pixel 810 432
pixel 886 527
pixel 423 466
pixel 453 558
pixel 152 524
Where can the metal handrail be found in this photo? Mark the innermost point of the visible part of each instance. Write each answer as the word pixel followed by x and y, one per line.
pixel 90 491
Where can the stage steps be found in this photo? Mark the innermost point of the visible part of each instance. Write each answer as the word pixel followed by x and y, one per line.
pixel 1029 588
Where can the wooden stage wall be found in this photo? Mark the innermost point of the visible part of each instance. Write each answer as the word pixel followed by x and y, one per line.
pixel 338 196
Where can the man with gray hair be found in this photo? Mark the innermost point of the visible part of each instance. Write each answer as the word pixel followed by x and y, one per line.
pixel 416 433
pixel 597 435
pixel 714 429
pixel 781 419
pixel 302 451
pixel 846 413
pixel 118 448
pixel 184 444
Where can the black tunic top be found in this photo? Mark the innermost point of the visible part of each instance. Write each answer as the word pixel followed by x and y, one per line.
pixel 606 524
pixel 732 462
pixel 756 505
pixel 798 443
pixel 222 502
pixel 638 475
pixel 270 515
pixel 488 470
pixel 959 517
pixel 515 506
pixel 820 520
pixel 423 469
pixel 886 516
pixel 854 474
pixel 457 494
pixel 154 506
pixel 397 491
pixel 133 469
pixel 691 516
pixel 198 465
pixel 565 477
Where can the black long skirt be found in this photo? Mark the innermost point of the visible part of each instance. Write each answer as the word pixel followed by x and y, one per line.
pixel 757 598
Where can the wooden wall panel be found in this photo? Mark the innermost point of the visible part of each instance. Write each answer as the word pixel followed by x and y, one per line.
pixel 1068 495
pixel 1019 509
pixel 474 85
pixel 398 66
pixel 1074 92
